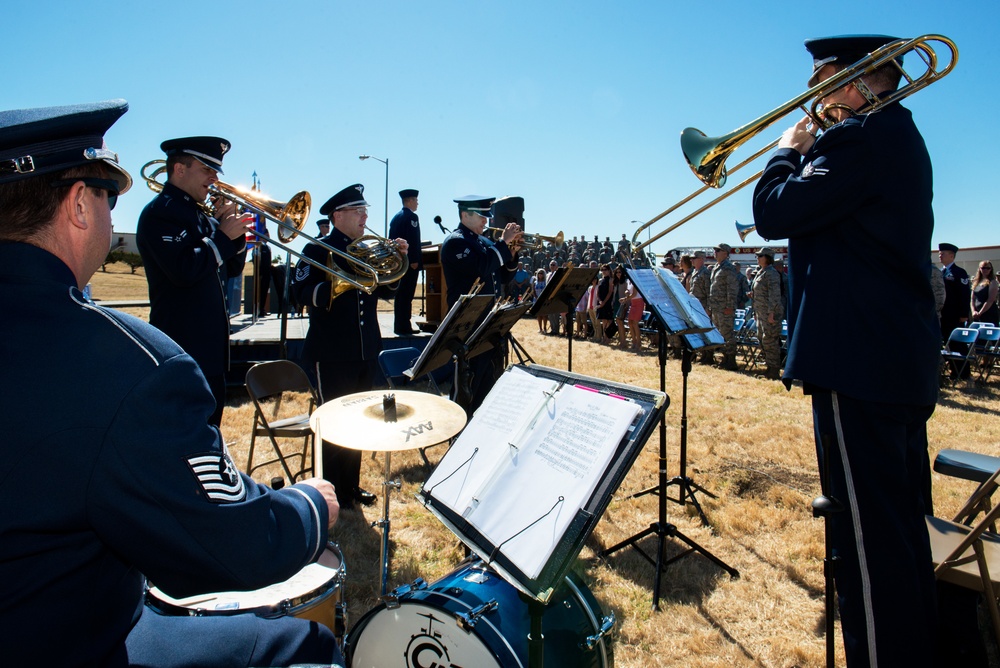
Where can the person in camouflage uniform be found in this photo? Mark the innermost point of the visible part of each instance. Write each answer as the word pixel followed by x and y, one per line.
pixel 768 309
pixel 699 285
pixel 722 301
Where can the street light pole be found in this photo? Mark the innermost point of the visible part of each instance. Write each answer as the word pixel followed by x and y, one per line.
pixel 385 162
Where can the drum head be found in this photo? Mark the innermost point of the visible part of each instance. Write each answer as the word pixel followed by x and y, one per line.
pixel 418 635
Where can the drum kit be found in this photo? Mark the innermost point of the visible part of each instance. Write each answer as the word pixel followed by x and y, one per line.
pixel 470 617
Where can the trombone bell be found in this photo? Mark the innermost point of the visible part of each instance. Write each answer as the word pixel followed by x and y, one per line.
pixel 744 230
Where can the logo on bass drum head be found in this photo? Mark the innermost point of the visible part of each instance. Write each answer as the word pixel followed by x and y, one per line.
pixel 425 650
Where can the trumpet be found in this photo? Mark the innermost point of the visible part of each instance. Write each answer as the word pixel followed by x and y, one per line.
pixel 531 242
pixel 706 156
pixel 373 261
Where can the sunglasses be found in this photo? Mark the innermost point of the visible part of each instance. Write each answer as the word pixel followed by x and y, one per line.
pixel 109 185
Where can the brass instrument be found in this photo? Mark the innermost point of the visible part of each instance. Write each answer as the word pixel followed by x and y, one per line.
pixel 707 155
pixel 373 261
pixel 532 242
pixel 744 230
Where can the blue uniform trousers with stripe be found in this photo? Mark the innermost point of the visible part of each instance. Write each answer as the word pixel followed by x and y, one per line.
pixel 880 473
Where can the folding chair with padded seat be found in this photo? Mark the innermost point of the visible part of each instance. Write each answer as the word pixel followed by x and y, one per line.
pixel 269 381
pixel 393 363
pixel 953 362
pixel 969 556
pixel 968 466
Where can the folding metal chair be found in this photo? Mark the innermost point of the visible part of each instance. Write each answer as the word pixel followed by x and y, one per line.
pixel 397 360
pixel 266 384
pixel 954 362
pixel 968 466
pixel 987 348
pixel 969 556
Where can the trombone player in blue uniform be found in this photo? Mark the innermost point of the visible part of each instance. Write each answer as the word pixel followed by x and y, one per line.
pixel 137 483
pixel 189 255
pixel 868 177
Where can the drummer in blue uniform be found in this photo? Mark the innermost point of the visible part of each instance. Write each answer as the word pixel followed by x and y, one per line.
pixel 344 340
pixel 112 467
pixel 466 257
pixel 189 255
pixel 406 225
pixel 868 177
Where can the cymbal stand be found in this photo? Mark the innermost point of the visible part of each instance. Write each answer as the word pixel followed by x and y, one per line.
pixel 661 528
pixel 389 413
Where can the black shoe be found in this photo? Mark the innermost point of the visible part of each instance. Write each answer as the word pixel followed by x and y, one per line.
pixel 405 332
pixel 364 497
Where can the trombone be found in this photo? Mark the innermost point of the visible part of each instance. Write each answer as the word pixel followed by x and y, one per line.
pixel 375 261
pixel 706 156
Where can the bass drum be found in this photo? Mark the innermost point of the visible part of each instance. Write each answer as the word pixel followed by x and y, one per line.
pixel 421 626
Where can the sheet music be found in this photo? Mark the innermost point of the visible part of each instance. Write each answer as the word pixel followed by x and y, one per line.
pixel 540 468
pixel 679 311
pixel 483 446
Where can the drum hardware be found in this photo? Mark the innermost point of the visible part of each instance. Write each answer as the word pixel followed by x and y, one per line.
pixel 468 620
pixel 405 420
pixel 608 623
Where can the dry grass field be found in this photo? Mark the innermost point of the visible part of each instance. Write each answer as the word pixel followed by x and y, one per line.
pixel 749 442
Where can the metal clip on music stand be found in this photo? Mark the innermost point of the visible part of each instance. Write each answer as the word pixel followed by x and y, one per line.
pixel 677 313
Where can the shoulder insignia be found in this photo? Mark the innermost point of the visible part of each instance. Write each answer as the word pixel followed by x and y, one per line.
pixel 302 273
pixel 463 254
pixel 414 223
pixel 218 477
pixel 812 170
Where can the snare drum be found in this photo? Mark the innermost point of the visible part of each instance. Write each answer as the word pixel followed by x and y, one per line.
pixel 419 625
pixel 309 594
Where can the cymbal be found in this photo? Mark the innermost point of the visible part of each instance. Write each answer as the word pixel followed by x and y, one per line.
pixel 357 421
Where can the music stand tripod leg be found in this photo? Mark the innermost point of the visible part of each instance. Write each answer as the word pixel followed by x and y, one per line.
pixel 663 529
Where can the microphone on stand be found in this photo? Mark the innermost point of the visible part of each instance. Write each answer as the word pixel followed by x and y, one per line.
pixel 437 219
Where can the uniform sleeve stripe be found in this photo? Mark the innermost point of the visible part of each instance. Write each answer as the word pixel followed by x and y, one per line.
pixel 316 516
pixel 495 250
pixel 783 163
pixel 211 244
pixel 316 294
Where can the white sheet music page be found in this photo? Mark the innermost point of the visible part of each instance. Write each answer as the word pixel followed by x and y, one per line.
pixel 482 449
pixel 528 505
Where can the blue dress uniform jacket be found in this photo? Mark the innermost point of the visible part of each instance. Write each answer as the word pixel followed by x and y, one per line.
pixel 187 262
pixel 957 298
pixel 861 195
pixel 466 256
pixel 349 329
pixel 406 225
pixel 110 473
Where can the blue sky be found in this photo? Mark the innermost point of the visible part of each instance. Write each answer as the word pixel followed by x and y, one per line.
pixel 575 106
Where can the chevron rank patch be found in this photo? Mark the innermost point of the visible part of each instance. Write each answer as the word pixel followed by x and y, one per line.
pixel 218 476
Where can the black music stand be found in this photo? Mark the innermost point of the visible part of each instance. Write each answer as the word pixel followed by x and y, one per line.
pixel 495 328
pixel 561 294
pixel 675 313
pixel 448 343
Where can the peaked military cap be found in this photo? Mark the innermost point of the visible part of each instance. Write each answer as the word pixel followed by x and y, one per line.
pixel 843 49
pixel 408 193
pixel 207 150
pixel 476 204
pixel 350 196
pixel 766 251
pixel 948 247
pixel 323 222
pixel 44 140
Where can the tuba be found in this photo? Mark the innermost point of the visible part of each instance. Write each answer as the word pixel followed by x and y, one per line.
pixel 372 260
